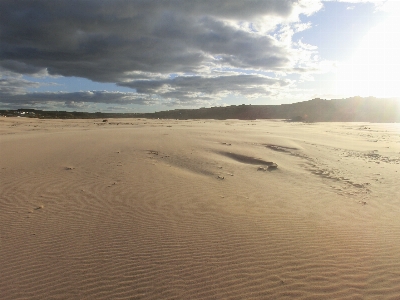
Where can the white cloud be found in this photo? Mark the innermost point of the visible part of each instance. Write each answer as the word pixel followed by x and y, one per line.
pixel 13 84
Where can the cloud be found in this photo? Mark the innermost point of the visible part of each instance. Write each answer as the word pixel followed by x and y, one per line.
pixel 23 68
pixel 130 41
pixel 78 98
pixel 12 85
pixel 206 91
pixel 102 41
pixel 207 87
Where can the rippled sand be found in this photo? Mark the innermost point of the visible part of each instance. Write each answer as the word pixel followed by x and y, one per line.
pixel 199 209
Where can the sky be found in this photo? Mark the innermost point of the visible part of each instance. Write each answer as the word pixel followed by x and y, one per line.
pixel 152 55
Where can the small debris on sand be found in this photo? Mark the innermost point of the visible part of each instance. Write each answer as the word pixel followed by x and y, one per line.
pixel 271 167
pixel 274 166
pixel 153 152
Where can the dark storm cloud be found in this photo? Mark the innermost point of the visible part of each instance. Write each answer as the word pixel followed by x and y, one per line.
pixel 139 43
pixel 102 39
pixel 21 67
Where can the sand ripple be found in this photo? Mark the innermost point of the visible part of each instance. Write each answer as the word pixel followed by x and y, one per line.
pixel 116 222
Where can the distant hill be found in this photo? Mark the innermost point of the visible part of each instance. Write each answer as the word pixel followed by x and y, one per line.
pixel 356 109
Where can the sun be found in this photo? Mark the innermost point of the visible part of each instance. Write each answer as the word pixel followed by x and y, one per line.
pixel 373 69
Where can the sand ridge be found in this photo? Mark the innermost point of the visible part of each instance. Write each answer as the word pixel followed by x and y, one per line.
pixel 166 209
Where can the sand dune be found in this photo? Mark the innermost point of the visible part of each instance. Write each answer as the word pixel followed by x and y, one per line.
pixel 164 209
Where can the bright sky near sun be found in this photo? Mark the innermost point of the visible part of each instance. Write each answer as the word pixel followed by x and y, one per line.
pixel 151 55
pixel 373 68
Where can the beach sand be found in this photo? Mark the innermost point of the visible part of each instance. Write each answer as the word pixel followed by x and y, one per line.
pixel 199 209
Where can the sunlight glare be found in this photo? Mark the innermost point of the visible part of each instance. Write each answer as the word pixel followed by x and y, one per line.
pixel 373 69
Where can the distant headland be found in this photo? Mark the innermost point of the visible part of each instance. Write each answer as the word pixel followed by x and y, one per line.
pixel 355 109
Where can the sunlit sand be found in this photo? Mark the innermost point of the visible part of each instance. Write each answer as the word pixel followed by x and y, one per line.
pixel 199 209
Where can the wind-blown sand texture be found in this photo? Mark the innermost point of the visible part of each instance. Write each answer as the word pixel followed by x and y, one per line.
pixel 165 209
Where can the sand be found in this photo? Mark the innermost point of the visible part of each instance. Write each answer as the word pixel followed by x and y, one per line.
pixel 199 209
